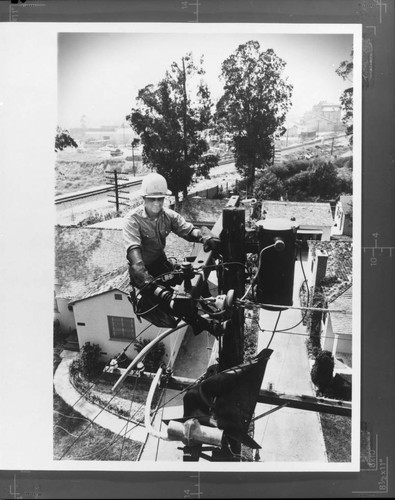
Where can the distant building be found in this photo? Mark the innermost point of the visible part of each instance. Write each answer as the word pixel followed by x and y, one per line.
pixel 323 117
pixel 343 216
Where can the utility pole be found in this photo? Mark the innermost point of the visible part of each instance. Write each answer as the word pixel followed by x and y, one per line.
pixel 114 181
pixel 232 351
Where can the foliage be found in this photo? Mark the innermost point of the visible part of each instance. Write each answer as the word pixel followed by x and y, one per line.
pixel 268 186
pixel 153 359
pixel 345 70
pixel 205 164
pixel 63 140
pixel 170 120
pixel 89 360
pixel 336 430
pixel 322 370
pixel 254 105
pixel 57 333
pixel 301 180
pixel 95 216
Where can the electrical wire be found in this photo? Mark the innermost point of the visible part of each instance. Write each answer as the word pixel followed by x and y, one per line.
pixel 130 411
pixel 274 330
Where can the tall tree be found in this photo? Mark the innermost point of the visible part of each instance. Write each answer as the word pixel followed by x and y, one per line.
pixel 170 118
pixel 345 71
pixel 63 140
pixel 254 105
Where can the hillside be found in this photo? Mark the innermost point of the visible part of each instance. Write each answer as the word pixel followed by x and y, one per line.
pixel 76 170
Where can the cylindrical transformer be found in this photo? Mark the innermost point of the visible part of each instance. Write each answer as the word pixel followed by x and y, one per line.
pixel 276 264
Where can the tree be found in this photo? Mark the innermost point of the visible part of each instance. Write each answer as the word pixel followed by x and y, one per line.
pixel 254 105
pixel 345 70
pixel 322 370
pixel 170 118
pixel 63 140
pixel 319 182
pixel 268 186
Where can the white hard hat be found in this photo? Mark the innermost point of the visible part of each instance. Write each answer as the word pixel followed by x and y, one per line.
pixel 153 186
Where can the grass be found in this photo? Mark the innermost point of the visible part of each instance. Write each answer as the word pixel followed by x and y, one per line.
pixel 78 439
pixel 337 436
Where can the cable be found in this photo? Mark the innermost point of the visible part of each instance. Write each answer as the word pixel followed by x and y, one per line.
pixel 130 411
pixel 274 330
pixel 258 270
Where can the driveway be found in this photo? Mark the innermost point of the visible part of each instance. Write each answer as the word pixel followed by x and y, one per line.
pixel 288 435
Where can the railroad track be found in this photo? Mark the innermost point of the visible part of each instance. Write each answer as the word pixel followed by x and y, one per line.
pixel 64 198
pixel 94 192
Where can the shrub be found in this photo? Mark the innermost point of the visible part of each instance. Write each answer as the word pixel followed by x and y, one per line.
pixel 322 371
pixel 90 364
pixel 57 333
pixel 153 359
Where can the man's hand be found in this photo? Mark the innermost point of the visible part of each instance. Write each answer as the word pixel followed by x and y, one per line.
pixel 213 244
pixel 210 241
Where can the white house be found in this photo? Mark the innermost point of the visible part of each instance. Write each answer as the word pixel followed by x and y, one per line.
pixel 314 219
pixel 104 316
pixel 336 335
pixel 329 265
pixel 343 216
pixel 82 254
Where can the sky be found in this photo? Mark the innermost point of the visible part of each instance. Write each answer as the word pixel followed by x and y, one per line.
pixel 100 74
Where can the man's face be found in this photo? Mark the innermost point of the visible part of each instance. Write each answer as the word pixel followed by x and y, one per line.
pixel 154 205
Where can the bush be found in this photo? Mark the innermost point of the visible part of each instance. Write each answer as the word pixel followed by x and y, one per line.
pixel 89 360
pixel 57 333
pixel 153 359
pixel 322 371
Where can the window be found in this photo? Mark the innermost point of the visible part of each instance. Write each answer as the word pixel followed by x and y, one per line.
pixel 117 296
pixel 121 328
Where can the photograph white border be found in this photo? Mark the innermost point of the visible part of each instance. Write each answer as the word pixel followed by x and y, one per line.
pixel 29 119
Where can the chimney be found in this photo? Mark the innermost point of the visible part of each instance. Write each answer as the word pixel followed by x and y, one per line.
pixel 321 263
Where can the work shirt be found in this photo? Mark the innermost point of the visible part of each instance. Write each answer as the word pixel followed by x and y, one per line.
pixel 150 234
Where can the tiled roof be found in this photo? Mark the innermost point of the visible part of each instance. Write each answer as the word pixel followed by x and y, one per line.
pixel 338 276
pixel 339 257
pixel 201 209
pixel 342 323
pixel 305 213
pixel 117 279
pixel 83 254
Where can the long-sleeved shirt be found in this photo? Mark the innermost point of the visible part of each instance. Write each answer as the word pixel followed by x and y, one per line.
pixel 150 234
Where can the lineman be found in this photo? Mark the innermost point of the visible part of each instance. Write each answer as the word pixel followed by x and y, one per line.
pixel 145 234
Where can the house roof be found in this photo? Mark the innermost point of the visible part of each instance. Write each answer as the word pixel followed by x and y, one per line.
pixel 305 213
pixel 338 276
pixel 342 323
pixel 83 254
pixel 202 209
pixel 117 279
pixel 339 262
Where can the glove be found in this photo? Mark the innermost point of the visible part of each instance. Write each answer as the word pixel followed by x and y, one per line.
pixel 213 244
pixel 210 242
pixel 138 273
